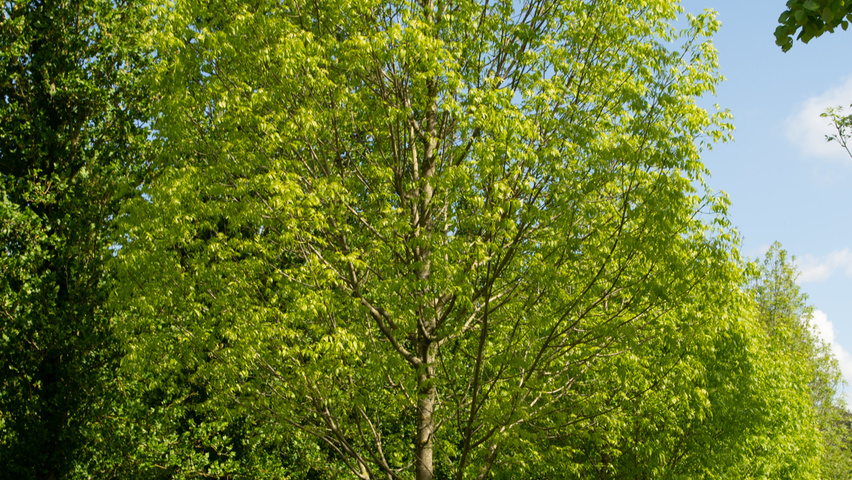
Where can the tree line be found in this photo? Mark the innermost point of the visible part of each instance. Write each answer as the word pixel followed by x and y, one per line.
pixel 386 239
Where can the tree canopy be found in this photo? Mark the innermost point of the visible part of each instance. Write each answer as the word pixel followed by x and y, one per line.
pixel 784 313
pixel 430 235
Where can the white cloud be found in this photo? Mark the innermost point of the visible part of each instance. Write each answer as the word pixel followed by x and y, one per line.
pixel 818 269
pixel 807 130
pixel 825 330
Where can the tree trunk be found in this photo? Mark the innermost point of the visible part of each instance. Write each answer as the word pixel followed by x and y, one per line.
pixel 426 397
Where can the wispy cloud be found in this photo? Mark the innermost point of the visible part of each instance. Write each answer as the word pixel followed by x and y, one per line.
pixel 806 129
pixel 818 269
pixel 825 329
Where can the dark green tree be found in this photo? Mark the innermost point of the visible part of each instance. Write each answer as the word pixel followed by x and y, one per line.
pixel 71 142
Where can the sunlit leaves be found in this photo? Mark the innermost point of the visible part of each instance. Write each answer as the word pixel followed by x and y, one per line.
pixel 488 214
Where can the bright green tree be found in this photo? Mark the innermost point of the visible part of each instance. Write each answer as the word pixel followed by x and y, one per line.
pixel 785 314
pixel 69 144
pixel 732 407
pixel 810 19
pixel 418 237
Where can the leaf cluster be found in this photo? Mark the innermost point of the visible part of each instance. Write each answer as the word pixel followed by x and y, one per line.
pixel 810 19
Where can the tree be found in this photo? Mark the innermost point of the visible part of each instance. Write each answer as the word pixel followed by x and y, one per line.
pixel 763 401
pixel 811 18
pixel 843 126
pixel 785 314
pixel 429 234
pixel 69 141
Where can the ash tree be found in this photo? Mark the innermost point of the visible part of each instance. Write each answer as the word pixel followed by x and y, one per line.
pixel 433 239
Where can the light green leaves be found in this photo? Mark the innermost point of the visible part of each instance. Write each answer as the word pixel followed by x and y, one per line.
pixel 843 126
pixel 476 221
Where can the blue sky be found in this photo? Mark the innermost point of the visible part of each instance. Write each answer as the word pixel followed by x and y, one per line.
pixel 785 182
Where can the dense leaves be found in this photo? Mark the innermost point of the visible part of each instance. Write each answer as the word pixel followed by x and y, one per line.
pixel 68 140
pixel 810 19
pixel 428 235
pixel 385 239
pixel 785 315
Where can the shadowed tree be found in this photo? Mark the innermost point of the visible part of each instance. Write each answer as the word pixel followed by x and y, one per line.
pixel 69 141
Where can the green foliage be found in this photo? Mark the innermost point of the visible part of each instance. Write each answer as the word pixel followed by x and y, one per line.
pixel 429 235
pixel 843 127
pixel 385 239
pixel 68 144
pixel 811 18
pixel 179 430
pixel 806 362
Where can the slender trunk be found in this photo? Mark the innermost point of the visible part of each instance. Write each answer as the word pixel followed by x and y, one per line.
pixel 427 347
pixel 426 399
